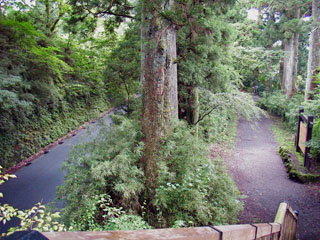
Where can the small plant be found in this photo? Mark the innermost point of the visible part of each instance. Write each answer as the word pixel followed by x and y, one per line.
pixel 36 218
pixel 99 213
pixel 293 173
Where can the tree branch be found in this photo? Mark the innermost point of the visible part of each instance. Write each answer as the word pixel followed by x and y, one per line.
pixel 204 115
pixel 114 14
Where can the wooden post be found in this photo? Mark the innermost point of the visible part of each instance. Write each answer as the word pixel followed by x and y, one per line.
pixel 288 220
pixel 307 155
pixel 308 131
pixel 301 110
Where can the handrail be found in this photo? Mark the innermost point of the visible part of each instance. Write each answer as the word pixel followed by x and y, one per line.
pixel 288 220
pixel 228 232
pixel 284 228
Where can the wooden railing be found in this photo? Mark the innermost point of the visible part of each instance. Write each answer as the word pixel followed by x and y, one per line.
pixel 284 228
pixel 288 220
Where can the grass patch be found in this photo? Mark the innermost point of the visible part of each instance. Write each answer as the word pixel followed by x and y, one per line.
pixel 285 138
pixel 287 150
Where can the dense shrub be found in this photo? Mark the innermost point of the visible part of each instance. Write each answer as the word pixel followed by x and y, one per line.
pixel 48 86
pixel 107 165
pixel 280 105
pixel 288 108
pixel 217 110
pixel 192 190
pixel 191 187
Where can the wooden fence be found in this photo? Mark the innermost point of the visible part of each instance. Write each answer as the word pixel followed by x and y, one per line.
pixel 303 135
pixel 283 228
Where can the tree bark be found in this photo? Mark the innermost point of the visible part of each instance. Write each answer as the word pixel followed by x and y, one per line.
pixel 314 48
pixel 159 84
pixel 290 62
pixel 188 102
pixel 288 67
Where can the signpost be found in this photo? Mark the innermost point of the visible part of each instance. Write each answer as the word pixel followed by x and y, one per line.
pixel 304 134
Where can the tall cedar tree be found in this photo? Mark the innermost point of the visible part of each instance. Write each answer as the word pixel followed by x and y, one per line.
pixel 314 48
pixel 282 22
pixel 159 83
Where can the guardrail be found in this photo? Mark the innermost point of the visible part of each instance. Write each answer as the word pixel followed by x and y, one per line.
pixel 288 220
pixel 283 228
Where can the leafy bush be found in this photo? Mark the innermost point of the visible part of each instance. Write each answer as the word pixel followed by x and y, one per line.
pixel 218 109
pixel 280 105
pixel 315 142
pixel 107 165
pixel 288 109
pixel 191 188
pixel 36 218
pixel 97 213
pixel 47 88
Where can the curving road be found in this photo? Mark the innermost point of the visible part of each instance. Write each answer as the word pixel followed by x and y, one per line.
pixel 38 181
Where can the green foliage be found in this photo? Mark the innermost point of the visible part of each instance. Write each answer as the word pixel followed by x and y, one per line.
pixel 260 43
pixel 98 213
pixel 95 169
pixel 192 188
pixel 203 46
pixel 47 88
pixel 315 142
pixel 110 165
pixel 280 105
pixel 219 109
pixel 288 109
pixel 36 218
pixel 122 69
pixel 86 13
pixel 258 67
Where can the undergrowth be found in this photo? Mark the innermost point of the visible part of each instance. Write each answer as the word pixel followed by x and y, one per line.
pixel 192 189
pixel 288 109
pixel 19 141
pixel 285 138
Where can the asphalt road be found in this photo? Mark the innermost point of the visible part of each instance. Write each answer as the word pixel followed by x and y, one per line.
pixel 38 181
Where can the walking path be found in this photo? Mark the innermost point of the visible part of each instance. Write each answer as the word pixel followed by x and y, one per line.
pixel 259 173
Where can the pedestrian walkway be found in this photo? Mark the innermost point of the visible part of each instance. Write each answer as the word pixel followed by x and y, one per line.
pixel 259 174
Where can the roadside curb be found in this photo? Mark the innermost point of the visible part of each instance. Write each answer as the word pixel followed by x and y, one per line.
pixel 45 149
pixel 292 170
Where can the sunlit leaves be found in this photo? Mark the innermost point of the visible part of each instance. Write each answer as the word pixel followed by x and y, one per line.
pixel 36 218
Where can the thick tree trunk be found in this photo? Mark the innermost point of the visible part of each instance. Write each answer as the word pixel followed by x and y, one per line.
pixel 159 84
pixel 288 67
pixel 188 102
pixel 296 61
pixel 281 69
pixel 290 62
pixel 314 48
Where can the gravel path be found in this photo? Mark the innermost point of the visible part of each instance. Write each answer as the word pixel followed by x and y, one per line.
pixel 259 173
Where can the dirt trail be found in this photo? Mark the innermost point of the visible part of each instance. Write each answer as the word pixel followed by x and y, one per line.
pixel 259 173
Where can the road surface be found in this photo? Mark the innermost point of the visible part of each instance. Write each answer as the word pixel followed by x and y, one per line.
pixel 37 182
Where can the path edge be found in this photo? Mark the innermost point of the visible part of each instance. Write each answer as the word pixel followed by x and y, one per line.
pixel 45 149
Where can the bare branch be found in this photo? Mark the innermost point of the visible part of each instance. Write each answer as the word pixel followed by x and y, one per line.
pixel 205 114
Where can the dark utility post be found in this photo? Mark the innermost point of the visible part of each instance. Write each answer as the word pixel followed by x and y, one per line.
pixel 304 137
pixel 301 111
pixel 307 156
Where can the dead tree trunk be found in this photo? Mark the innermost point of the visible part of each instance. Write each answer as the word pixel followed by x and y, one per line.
pixel 159 84
pixel 314 48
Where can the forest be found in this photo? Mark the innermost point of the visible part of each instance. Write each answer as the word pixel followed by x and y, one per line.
pixel 183 70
